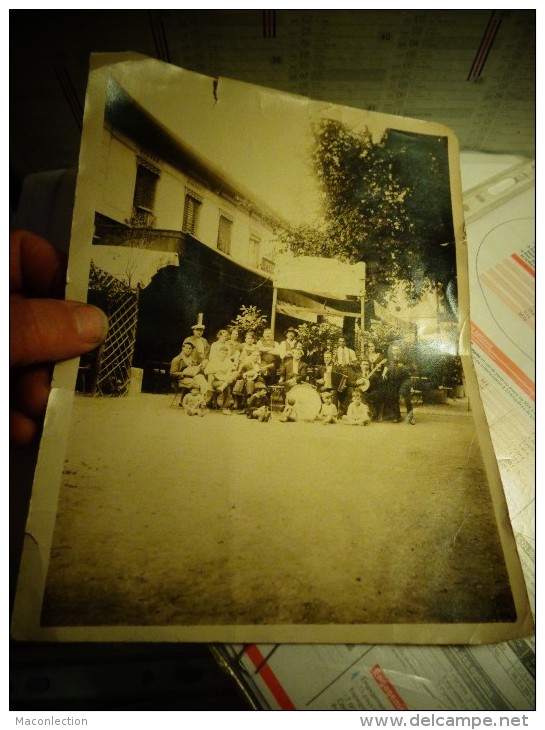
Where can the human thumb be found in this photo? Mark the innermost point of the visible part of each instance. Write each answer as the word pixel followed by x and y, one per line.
pixel 46 330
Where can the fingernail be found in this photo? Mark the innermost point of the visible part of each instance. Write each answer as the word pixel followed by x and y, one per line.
pixel 91 322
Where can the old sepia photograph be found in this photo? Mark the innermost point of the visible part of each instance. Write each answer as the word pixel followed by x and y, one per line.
pixel 281 438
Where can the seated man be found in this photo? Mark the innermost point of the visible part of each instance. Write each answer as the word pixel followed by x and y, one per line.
pixel 250 377
pixel 270 355
pixel 221 374
pixel 328 379
pixel 293 370
pixel 200 344
pixel 185 369
pixel 371 383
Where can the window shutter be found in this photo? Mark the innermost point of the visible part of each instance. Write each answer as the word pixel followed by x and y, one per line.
pixel 224 234
pixel 145 186
pixel 191 213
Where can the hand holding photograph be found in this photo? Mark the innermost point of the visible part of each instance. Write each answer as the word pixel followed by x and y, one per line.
pixel 282 438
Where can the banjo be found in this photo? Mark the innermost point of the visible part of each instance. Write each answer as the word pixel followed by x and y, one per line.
pixel 254 374
pixel 364 383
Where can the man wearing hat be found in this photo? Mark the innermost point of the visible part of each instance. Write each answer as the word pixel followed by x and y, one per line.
pixel 287 345
pixel 200 345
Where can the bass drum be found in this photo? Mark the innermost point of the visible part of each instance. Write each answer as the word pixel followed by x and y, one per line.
pixel 307 401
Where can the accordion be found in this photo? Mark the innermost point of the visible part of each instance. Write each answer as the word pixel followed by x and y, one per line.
pixel 339 381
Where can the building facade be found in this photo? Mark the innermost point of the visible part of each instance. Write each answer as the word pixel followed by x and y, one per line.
pixel 143 190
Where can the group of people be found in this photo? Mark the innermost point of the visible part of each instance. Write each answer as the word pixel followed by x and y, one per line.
pixel 36 276
pixel 238 376
pixel 232 374
pixel 366 390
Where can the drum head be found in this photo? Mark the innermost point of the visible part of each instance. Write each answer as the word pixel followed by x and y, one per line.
pixel 307 401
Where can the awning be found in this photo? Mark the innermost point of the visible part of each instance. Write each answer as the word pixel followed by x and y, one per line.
pixel 317 305
pixel 134 267
pixel 316 274
pixel 296 312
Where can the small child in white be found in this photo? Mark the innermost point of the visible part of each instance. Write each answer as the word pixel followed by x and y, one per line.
pixel 193 402
pixel 328 411
pixel 289 413
pixel 357 413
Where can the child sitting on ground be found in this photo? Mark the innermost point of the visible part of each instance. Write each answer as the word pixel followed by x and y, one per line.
pixel 289 413
pixel 193 402
pixel 257 405
pixel 328 411
pixel 357 413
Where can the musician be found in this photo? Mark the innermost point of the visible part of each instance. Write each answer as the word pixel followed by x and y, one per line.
pixel 345 363
pixel 251 376
pixel 397 378
pixel 221 374
pixel 324 373
pixel 184 367
pixel 329 379
pixel 372 382
pixel 293 370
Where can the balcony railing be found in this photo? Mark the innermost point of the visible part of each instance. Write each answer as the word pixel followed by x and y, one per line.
pixel 147 238
pixel 267 265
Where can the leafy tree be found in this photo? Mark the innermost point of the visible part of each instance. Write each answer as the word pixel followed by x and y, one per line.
pixel 315 338
pixel 387 203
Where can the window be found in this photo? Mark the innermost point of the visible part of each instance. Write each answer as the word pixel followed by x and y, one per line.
pixel 253 254
pixel 224 234
pixel 145 186
pixel 191 214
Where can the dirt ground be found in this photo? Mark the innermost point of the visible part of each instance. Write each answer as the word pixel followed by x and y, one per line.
pixel 166 519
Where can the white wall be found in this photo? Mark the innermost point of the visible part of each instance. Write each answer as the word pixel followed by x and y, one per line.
pixel 118 158
pixel 117 179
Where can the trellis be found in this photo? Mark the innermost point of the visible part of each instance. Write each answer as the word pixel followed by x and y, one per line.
pixel 113 367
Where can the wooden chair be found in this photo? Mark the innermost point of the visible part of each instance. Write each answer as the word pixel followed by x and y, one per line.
pixel 180 388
